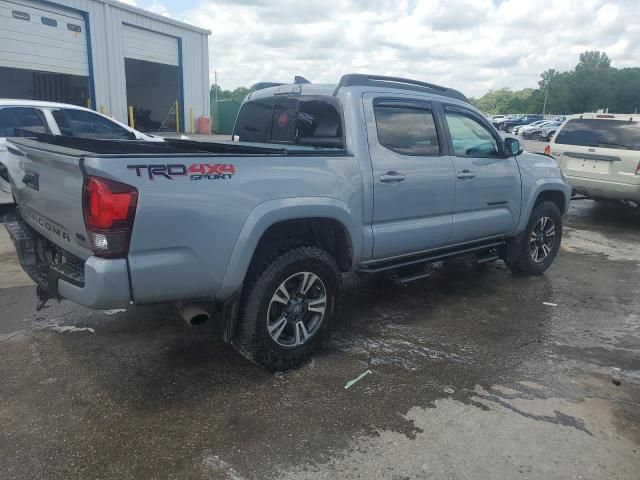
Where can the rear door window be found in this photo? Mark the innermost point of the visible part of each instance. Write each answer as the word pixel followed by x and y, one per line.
pixel 595 132
pixel 21 122
pixel 82 124
pixel 407 129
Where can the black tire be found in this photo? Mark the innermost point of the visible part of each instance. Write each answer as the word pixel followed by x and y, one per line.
pixel 272 269
pixel 550 136
pixel 524 262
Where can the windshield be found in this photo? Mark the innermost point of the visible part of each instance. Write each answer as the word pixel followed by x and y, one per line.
pixel 595 132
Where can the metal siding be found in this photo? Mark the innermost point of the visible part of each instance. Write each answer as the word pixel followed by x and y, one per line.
pixel 32 45
pixel 150 46
pixel 106 19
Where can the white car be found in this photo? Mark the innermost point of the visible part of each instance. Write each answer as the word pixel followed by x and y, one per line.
pixel 542 131
pixel 600 155
pixel 18 118
pixel 521 128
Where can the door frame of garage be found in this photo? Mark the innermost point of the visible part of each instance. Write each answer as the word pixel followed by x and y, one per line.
pixel 183 126
pixel 87 26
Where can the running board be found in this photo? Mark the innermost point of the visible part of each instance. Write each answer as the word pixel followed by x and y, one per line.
pixel 404 279
pixel 430 257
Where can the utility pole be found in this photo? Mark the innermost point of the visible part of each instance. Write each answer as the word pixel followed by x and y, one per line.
pixel 546 94
pixel 215 80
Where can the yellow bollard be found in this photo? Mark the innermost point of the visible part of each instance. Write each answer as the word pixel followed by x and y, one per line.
pixel 177 117
pixel 131 123
pixel 191 120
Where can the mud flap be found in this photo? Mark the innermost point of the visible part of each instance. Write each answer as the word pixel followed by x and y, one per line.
pixel 510 252
pixel 229 311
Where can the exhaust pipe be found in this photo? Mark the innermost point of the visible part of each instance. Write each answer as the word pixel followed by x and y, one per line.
pixel 193 314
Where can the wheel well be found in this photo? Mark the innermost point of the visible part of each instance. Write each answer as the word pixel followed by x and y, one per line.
pixel 554 196
pixel 325 233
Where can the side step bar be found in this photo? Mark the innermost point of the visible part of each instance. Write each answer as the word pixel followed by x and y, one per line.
pixel 398 279
pixel 430 257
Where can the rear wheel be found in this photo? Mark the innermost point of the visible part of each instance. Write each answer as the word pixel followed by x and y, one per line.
pixel 288 306
pixel 541 242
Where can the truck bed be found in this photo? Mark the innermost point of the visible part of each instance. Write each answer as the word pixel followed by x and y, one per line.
pixel 199 208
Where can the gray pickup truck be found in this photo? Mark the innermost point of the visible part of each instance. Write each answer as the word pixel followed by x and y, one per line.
pixel 374 174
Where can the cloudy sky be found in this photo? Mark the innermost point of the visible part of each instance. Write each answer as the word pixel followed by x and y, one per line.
pixel 471 45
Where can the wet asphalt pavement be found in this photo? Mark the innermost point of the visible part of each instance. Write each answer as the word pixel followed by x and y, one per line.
pixel 472 376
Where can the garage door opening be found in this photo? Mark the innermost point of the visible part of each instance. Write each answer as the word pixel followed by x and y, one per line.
pixel 46 86
pixel 152 91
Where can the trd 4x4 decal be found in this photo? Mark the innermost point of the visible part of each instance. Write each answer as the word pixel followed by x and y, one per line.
pixel 195 171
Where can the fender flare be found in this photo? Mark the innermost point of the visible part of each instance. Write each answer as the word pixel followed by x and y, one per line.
pixel 271 212
pixel 543 185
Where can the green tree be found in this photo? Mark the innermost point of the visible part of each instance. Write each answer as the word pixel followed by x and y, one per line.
pixel 593 60
pixel 593 84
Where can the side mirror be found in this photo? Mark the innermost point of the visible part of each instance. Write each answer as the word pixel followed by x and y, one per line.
pixel 512 147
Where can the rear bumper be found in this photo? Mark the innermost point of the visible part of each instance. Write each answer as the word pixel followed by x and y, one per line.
pixel 96 283
pixel 604 189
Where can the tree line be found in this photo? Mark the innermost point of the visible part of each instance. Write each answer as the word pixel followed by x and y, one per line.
pixel 236 95
pixel 592 85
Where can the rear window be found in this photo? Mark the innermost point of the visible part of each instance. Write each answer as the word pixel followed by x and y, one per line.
pixel 594 132
pixel 300 120
pixel 21 122
pixel 83 124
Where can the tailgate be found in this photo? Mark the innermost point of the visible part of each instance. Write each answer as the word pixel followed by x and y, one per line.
pixel 48 186
pixel 605 164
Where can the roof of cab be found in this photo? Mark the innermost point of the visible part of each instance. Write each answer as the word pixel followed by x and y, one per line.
pixel 606 116
pixel 268 89
pixel 293 89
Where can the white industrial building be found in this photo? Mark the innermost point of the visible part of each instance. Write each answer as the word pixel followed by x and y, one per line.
pixel 107 55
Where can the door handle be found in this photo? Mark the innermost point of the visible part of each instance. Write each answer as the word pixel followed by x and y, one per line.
pixel 466 174
pixel 391 177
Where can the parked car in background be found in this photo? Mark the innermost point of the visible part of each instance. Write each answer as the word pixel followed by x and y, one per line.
pixel 600 154
pixel 496 119
pixel 529 131
pixel 508 125
pixel 23 118
pixel 519 129
pixel 544 132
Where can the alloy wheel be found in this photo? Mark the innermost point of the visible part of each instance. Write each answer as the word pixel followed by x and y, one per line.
pixel 542 239
pixel 296 309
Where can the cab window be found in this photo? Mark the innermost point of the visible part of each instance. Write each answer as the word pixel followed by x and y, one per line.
pixel 406 129
pixel 300 121
pixel 470 137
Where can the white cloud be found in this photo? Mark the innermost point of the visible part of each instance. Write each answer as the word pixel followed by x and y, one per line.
pixel 157 7
pixel 471 45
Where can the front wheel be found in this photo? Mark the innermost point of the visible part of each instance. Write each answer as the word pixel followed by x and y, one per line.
pixel 541 241
pixel 288 306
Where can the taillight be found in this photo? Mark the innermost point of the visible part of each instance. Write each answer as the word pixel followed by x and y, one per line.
pixel 109 210
pixel 638 169
pixel 547 150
